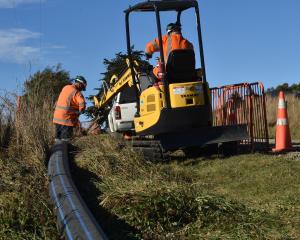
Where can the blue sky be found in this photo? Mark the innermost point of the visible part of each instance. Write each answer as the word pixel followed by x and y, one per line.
pixel 243 40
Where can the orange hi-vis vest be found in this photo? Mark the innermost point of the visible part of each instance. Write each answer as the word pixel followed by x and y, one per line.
pixel 170 42
pixel 68 106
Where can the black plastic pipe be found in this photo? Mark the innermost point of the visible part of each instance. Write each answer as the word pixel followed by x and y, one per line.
pixel 74 219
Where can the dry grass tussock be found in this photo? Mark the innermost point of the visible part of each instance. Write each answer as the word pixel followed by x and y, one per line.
pixel 34 128
pixel 6 119
pixel 293 106
pixel 25 210
pixel 162 201
pixel 28 128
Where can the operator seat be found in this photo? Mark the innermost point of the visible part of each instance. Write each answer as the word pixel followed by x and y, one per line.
pixel 180 66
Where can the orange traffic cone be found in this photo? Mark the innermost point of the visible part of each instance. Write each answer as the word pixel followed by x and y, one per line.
pixel 283 136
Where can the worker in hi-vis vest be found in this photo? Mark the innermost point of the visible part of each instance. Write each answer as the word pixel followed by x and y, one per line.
pixel 171 41
pixel 69 106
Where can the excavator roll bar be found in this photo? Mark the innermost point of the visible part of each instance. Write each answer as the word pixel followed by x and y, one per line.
pixel 157 6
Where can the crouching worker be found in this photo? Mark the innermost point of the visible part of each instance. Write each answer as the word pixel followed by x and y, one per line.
pixel 69 106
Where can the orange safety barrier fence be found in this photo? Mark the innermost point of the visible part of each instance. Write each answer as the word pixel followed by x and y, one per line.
pixel 242 103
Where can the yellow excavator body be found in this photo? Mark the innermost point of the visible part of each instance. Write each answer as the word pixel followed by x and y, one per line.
pixel 174 110
pixel 186 94
pixel 152 101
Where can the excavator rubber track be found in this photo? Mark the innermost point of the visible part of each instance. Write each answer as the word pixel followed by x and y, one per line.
pixel 151 150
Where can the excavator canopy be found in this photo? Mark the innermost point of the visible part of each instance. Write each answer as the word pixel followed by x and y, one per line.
pixel 164 5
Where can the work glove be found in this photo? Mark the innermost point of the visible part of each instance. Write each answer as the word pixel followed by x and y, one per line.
pixel 148 56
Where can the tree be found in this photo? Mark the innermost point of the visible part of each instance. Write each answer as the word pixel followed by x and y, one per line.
pixel 46 85
pixel 294 88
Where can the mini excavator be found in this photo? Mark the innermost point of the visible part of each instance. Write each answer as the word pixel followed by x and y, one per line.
pixel 174 112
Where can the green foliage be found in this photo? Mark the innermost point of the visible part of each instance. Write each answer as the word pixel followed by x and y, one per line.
pixel 294 88
pixel 46 85
pixel 118 64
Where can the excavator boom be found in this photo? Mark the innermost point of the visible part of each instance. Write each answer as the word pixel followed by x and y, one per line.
pixel 116 85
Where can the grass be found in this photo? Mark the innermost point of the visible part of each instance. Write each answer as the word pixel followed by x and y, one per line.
pixel 25 211
pixel 25 208
pixel 270 183
pixel 244 197
pixel 34 127
pixel 5 128
pixel 6 117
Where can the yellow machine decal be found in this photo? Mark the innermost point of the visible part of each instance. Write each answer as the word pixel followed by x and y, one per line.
pixel 186 94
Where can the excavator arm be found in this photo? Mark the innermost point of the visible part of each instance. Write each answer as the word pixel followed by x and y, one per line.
pixel 116 85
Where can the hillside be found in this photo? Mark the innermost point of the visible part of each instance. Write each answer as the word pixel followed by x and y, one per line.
pixel 242 197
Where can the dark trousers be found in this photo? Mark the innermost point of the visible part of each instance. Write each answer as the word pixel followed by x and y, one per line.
pixel 63 132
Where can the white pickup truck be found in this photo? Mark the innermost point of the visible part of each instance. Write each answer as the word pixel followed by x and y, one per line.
pixel 120 117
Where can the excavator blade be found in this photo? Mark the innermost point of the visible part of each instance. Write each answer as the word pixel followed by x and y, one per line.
pixel 203 136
